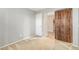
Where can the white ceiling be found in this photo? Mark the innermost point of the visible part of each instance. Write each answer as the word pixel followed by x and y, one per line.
pixel 44 9
pixel 37 9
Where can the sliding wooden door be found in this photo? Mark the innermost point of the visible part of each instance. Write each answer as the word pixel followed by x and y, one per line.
pixel 63 25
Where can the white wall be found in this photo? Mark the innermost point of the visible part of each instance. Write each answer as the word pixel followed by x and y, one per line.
pixel 45 22
pixel 78 26
pixel 39 25
pixel 75 26
pixel 15 24
pixel 45 26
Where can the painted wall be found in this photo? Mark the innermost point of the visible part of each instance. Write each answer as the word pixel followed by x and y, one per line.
pixel 15 24
pixel 78 27
pixel 45 26
pixel 75 26
pixel 39 25
pixel 50 18
pixel 47 29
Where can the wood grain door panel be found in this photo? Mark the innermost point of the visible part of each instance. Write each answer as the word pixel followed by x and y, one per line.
pixel 63 25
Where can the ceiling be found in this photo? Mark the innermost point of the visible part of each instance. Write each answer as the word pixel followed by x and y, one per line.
pixel 37 9
pixel 44 9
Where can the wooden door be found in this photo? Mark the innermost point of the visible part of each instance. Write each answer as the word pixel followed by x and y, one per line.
pixel 68 25
pixel 63 25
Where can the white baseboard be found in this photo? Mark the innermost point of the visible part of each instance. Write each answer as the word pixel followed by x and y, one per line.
pixel 75 45
pixel 25 38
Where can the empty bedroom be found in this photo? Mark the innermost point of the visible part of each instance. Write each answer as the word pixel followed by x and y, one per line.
pixel 39 28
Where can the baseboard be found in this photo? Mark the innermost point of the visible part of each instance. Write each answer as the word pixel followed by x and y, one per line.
pixel 75 45
pixel 25 38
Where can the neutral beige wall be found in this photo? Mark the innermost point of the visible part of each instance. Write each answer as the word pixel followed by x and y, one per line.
pixel 50 23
